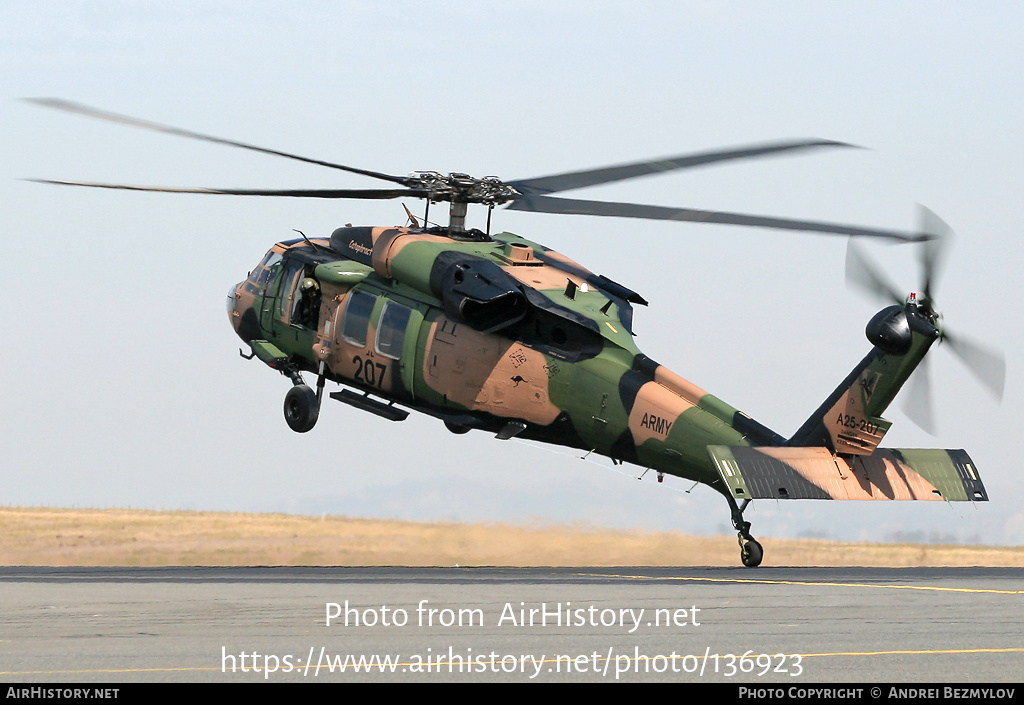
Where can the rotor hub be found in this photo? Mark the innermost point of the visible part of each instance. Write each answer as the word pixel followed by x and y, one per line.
pixel 462 188
pixel 923 307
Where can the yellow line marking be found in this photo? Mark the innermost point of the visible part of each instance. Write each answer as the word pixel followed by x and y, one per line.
pixel 809 582
pixel 924 652
pixel 108 670
pixel 434 666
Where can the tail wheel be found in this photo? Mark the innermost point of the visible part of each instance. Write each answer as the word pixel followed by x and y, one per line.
pixel 301 409
pixel 751 553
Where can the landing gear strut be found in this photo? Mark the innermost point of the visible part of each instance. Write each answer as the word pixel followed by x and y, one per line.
pixel 751 552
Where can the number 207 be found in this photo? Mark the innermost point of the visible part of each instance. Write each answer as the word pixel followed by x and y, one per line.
pixel 369 372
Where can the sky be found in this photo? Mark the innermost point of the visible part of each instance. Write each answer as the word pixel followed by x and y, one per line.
pixel 123 386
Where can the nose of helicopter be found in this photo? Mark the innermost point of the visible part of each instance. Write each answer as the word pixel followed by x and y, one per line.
pixel 233 305
pixel 241 312
pixel 236 308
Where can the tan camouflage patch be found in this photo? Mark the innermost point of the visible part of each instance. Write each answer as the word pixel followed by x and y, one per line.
pixel 850 428
pixel 655 410
pixel 485 372
pixel 458 360
pixel 518 386
pixel 684 388
pixel 815 473
pixel 544 277
pixel 361 363
pixel 323 348
pixel 388 242
pixel 562 259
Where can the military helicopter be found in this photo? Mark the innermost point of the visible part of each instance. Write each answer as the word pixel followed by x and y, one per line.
pixel 493 332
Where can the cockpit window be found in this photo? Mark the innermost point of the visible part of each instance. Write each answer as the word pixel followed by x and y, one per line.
pixel 263 273
pixel 357 317
pixel 287 288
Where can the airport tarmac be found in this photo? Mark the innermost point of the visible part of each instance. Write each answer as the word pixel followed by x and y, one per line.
pixel 775 626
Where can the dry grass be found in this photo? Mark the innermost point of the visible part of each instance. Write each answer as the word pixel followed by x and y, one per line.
pixel 107 537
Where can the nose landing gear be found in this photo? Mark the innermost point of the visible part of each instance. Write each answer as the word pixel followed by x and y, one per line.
pixel 301 403
pixel 301 408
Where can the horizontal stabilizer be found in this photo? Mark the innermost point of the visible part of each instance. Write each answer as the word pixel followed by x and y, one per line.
pixel 815 473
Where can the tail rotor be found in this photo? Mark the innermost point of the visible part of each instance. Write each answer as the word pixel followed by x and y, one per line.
pixel 986 364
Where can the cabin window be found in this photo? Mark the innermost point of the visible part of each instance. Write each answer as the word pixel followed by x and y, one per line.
pixel 391 330
pixel 357 317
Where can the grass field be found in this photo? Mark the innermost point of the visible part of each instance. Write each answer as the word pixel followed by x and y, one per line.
pixel 59 537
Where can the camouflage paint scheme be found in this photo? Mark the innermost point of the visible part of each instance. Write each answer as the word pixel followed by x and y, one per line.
pixel 507 336
pixel 504 335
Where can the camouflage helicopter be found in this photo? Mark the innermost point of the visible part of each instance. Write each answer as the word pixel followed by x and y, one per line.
pixel 493 332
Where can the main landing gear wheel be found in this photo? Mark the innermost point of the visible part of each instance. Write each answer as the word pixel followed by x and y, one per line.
pixel 751 553
pixel 301 408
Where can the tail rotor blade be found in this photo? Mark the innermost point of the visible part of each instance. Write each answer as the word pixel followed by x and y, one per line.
pixel 865 274
pixel 988 365
pixel 917 404
pixel 932 251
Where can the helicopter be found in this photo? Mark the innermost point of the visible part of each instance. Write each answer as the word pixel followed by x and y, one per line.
pixel 493 332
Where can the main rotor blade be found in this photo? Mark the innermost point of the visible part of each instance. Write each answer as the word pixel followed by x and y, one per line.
pixel 864 273
pixel 295 193
pixel 578 179
pixel 68 106
pixel 988 365
pixel 549 204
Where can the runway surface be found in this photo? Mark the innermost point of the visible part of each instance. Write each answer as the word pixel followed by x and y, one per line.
pixel 796 626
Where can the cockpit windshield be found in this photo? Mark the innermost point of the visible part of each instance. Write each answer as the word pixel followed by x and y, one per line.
pixel 263 273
